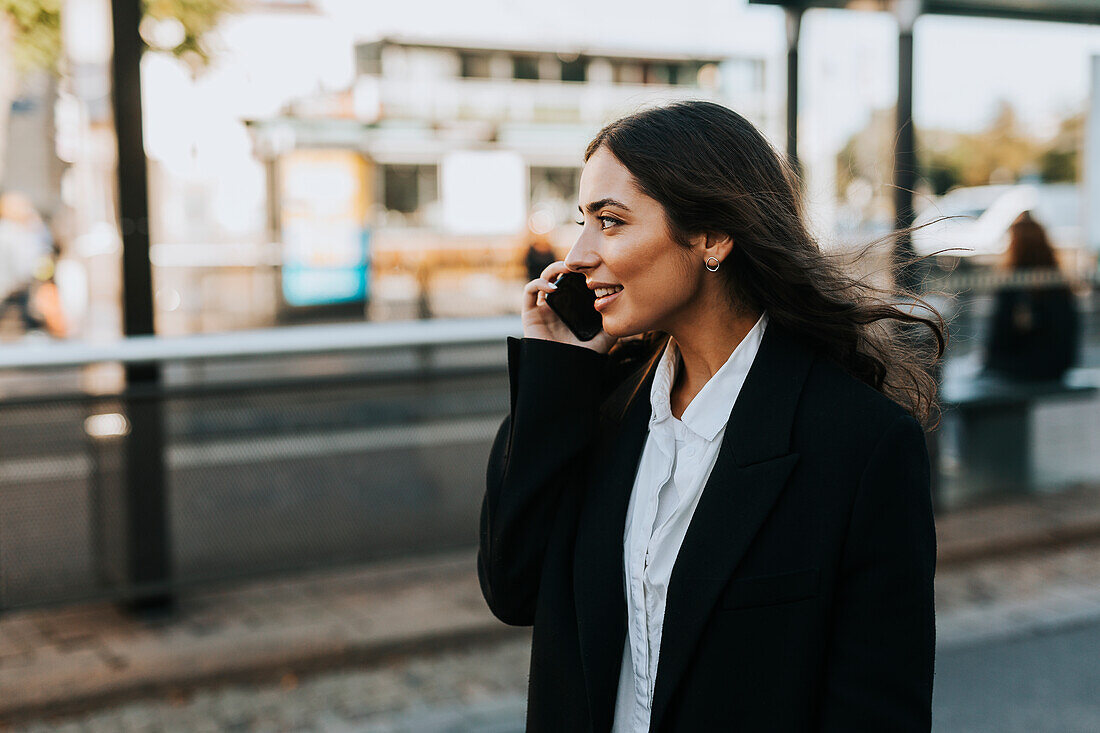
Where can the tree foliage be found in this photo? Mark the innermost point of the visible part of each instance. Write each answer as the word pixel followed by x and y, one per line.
pixel 36 31
pixel 1061 161
pixel 1002 152
pixel 36 26
pixel 197 16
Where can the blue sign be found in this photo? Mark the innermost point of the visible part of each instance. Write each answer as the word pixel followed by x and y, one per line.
pixel 306 284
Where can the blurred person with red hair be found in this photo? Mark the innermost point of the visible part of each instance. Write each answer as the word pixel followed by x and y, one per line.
pixel 1035 328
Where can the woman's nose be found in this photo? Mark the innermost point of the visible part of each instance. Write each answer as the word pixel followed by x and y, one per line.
pixel 579 258
pixel 575 266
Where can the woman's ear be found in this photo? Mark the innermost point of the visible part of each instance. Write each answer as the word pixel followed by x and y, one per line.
pixel 716 244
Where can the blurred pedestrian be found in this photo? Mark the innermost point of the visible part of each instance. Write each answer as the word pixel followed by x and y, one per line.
pixel 25 257
pixel 715 513
pixel 46 304
pixel 539 254
pixel 1034 330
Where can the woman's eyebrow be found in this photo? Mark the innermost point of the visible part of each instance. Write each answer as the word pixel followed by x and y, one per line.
pixel 597 205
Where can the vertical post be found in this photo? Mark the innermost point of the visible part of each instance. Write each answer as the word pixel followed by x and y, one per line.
pixel 274 227
pixel 905 180
pixel 794 24
pixel 274 217
pixel 145 522
pixel 905 150
pixel 1091 167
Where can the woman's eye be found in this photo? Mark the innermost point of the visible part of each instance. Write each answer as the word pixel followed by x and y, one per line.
pixel 605 219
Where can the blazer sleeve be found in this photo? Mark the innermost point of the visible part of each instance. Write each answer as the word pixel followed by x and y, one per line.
pixel 882 647
pixel 537 456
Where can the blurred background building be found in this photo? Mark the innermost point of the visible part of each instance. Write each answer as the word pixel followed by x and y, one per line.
pixel 445 155
pixel 450 149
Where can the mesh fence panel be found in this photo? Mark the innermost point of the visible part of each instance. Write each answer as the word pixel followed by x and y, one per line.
pixel 259 479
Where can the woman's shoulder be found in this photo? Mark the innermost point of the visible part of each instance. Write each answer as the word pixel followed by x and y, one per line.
pixel 838 398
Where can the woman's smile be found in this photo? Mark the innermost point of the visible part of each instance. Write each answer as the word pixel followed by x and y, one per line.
pixel 603 300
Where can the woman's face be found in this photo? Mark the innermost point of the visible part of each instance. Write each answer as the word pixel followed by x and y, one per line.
pixel 625 241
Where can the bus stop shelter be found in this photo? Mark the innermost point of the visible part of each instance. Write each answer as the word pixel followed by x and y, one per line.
pixel 906 12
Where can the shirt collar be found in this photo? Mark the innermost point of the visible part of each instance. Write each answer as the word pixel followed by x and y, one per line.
pixel 710 409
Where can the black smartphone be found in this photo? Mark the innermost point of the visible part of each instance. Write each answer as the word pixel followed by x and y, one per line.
pixel 573 302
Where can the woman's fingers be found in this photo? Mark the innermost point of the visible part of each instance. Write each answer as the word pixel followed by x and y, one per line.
pixel 545 283
pixel 533 288
pixel 554 269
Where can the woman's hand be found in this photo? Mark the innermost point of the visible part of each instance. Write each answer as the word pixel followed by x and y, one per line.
pixel 541 322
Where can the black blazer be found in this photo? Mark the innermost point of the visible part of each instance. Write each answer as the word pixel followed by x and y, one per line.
pixel 802 596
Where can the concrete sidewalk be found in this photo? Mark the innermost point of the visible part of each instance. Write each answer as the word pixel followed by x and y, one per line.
pixel 56 661
pixel 1018 524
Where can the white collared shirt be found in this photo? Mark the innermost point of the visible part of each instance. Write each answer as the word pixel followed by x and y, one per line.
pixel 677 459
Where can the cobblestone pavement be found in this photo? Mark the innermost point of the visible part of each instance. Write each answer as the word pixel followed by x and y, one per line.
pixel 87 656
pixel 1022 593
pixel 481 688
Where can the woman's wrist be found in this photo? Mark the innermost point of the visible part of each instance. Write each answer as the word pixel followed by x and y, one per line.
pixel 557 371
pixel 588 346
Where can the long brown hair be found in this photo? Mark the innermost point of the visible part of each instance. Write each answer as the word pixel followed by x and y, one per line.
pixel 1028 245
pixel 713 171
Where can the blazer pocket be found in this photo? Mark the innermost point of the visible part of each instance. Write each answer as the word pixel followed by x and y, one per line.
pixel 766 590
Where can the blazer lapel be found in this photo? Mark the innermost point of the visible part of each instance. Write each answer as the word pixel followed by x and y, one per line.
pixel 598 583
pixel 751 470
pixel 752 466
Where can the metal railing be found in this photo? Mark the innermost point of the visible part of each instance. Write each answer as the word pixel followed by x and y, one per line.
pixel 285 341
pixel 280 450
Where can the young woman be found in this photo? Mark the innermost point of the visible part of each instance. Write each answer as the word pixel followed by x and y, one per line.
pixel 716 514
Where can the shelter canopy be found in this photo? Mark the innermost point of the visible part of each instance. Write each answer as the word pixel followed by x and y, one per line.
pixel 1064 11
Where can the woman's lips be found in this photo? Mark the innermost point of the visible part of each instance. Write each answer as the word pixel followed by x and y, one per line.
pixel 602 303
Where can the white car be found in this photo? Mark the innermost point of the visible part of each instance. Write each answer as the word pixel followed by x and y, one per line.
pixel 986 213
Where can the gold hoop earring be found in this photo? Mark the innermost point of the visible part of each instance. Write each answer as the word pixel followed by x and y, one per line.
pixel 717 262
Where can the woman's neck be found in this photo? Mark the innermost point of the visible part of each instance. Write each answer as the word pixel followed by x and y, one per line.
pixel 705 344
